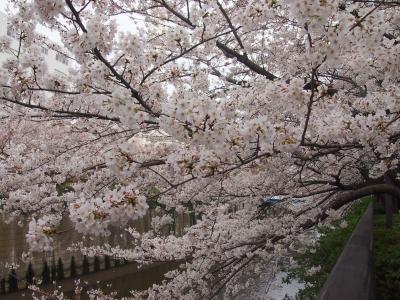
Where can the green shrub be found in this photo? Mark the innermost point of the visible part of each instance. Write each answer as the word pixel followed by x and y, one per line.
pixel 387 257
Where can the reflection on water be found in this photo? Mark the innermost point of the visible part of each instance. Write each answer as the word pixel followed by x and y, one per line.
pixel 124 281
pixel 137 281
pixel 13 243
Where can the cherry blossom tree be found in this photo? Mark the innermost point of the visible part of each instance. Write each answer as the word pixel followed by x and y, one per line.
pixel 297 98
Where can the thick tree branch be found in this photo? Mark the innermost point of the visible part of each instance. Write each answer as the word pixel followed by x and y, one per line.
pixel 98 54
pixel 61 111
pixel 246 61
pixel 350 196
pixel 225 14
pixel 177 14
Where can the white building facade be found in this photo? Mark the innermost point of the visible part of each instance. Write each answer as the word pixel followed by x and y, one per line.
pixel 57 62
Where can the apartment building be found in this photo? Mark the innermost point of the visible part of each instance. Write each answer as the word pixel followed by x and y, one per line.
pixel 57 62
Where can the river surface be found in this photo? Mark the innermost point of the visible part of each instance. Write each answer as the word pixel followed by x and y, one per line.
pixel 122 279
pixel 13 244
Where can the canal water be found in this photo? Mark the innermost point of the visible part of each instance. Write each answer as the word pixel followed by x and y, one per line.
pixel 123 278
pixel 13 244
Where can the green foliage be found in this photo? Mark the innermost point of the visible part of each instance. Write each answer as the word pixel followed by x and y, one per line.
pixel 378 208
pixel 386 256
pixel 64 188
pixel 153 198
pixel 152 203
pixel 325 254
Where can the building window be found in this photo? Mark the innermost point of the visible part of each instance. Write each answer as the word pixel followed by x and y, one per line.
pixel 45 50
pixel 61 58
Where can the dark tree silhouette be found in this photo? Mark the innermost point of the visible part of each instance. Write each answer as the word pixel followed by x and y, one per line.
pixel 107 262
pixel 60 270
pixel 46 273
pixel 96 264
pixel 53 270
pixel 30 274
pixel 85 265
pixel 12 281
pixel 117 262
pixel 73 267
pixel 3 286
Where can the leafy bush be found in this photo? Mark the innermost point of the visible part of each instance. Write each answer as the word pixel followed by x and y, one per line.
pixel 387 257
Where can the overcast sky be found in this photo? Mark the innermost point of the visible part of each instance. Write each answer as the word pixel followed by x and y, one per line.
pixel 3 5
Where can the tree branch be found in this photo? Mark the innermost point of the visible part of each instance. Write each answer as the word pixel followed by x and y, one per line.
pixel 246 61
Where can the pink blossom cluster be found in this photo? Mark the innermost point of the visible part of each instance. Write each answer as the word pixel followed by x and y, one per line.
pixel 200 108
